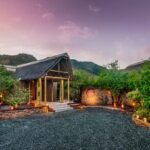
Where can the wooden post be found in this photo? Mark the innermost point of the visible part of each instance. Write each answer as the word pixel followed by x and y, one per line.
pixel 45 91
pixel 68 89
pixel 62 90
pixel 52 92
pixel 29 92
pixel 40 80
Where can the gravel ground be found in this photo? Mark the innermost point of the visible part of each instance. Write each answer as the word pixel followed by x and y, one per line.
pixel 91 129
pixel 18 113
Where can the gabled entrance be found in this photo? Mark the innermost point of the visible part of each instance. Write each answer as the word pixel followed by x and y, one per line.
pixel 48 79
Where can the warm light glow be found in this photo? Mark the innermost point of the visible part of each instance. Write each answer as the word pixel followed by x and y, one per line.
pixel 137 116
pixel 115 105
pixel 45 109
pixel 133 104
pixel 122 106
pixel 145 119
pixel 91 96
pixel 11 107
pixel 1 95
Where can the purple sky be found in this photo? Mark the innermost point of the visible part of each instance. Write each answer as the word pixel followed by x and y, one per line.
pixel 89 30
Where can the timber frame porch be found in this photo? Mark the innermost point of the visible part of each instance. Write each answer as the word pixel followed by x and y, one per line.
pixel 48 80
pixel 41 96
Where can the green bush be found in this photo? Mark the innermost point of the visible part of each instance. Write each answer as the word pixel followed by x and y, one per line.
pixel 144 87
pixel 104 101
pixel 135 95
pixel 7 80
pixel 143 112
pixel 82 79
pixel 146 104
pixel 116 81
pixel 19 96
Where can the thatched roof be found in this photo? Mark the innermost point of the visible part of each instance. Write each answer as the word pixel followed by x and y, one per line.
pixel 39 68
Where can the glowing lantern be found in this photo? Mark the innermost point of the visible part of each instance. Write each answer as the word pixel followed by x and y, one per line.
pixel 133 104
pixel 137 116
pixel 1 95
pixel 11 107
pixel 122 106
pixel 115 105
pixel 45 109
pixel 145 120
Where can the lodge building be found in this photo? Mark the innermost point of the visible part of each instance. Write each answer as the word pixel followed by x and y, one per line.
pixel 48 80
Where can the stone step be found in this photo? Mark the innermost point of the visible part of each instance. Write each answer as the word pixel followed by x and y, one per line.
pixel 62 109
pixel 59 107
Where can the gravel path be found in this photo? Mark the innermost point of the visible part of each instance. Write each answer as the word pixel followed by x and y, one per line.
pixel 91 129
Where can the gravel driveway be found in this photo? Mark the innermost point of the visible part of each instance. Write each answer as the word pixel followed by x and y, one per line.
pixel 91 129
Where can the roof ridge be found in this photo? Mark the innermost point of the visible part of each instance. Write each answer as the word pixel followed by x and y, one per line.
pixel 41 60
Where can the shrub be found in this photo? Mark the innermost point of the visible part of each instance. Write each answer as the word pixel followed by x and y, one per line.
pixel 7 80
pixel 143 112
pixel 104 100
pixel 135 98
pixel 19 96
pixel 116 81
pixel 144 87
pixel 82 79
pixel 146 104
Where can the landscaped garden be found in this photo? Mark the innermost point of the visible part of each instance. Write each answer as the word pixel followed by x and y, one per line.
pixel 25 127
pixel 123 86
pixel 129 89
pixel 91 129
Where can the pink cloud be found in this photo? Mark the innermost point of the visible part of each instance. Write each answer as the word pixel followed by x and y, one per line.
pixel 47 15
pixel 39 6
pixel 94 9
pixel 71 30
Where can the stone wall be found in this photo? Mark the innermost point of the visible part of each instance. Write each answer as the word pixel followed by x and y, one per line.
pixel 95 96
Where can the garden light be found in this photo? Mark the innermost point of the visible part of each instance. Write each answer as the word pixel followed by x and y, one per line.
pixel 122 106
pixel 145 120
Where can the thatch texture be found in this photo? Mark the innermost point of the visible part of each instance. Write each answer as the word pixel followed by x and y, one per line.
pixel 39 68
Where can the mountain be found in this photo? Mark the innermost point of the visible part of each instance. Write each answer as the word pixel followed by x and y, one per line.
pixel 19 59
pixel 16 59
pixel 86 66
pixel 138 65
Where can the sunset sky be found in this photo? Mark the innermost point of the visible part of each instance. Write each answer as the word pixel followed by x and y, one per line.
pixel 89 30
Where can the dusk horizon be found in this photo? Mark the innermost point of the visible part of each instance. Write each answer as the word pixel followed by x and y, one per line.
pixel 88 30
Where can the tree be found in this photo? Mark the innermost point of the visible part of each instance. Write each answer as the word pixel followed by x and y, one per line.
pixel 116 81
pixel 18 96
pixel 7 80
pixel 134 79
pixel 144 86
pixel 114 65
